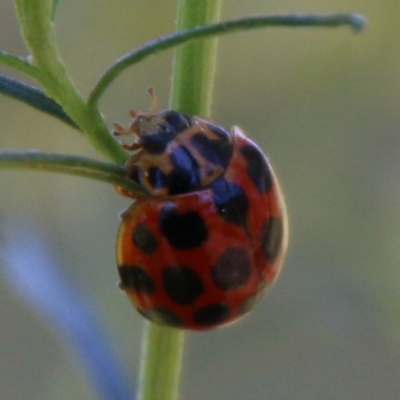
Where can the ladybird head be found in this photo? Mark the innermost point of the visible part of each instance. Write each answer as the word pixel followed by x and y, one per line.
pixel 153 130
pixel 156 131
pixel 175 153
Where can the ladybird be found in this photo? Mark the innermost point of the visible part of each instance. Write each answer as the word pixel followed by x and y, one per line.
pixel 203 245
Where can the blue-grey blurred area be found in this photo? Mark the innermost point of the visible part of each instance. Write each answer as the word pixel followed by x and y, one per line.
pixel 324 105
pixel 33 273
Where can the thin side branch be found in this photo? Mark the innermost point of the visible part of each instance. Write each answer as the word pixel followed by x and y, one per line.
pixel 34 97
pixel 68 164
pixel 20 64
pixel 355 21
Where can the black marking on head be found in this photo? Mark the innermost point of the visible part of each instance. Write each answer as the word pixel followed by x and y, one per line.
pixel 185 176
pixel 219 131
pixel 144 239
pixel 183 231
pixel 136 278
pixel 232 270
pixel 212 314
pixel 218 152
pixel 157 178
pixel 230 201
pixel 179 122
pixel 170 124
pixel 258 168
pixel 271 238
pixel 161 315
pixel 182 284
pixel 156 143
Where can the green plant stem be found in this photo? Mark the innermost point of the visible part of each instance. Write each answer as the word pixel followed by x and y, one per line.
pixel 161 362
pixel 20 64
pixel 194 63
pixel 71 165
pixel 356 21
pixel 163 346
pixel 37 28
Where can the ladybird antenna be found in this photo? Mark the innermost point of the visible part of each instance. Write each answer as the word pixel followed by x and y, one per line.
pixel 154 100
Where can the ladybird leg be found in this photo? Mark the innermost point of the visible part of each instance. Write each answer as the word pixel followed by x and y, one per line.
pixel 154 100
pixel 134 113
pixel 131 147
pixel 122 192
pixel 134 158
pixel 120 130
pixel 126 193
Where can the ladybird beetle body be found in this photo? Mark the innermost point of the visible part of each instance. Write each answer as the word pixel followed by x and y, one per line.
pixel 200 250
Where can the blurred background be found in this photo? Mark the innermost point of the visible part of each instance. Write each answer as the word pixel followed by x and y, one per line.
pixel 324 105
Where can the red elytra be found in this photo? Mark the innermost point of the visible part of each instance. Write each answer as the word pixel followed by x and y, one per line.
pixel 196 254
pixel 252 252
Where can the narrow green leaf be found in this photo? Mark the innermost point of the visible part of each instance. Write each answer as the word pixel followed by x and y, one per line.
pixel 56 3
pixel 355 21
pixel 20 64
pixel 71 165
pixel 34 97
pixel 38 32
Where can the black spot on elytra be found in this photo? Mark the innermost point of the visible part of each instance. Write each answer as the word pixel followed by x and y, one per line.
pixel 232 269
pixel 136 278
pixel 185 176
pixel 182 284
pixel 271 238
pixel 257 168
pixel 218 152
pixel 161 315
pixel 230 201
pixel 183 231
pixel 212 314
pixel 144 239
